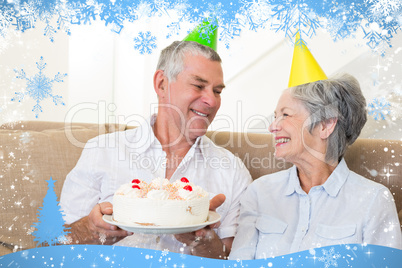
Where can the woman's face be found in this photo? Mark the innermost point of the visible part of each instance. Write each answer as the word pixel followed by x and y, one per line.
pixel 293 141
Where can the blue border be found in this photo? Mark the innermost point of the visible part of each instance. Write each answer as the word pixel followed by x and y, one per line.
pixel 354 255
pixel 378 20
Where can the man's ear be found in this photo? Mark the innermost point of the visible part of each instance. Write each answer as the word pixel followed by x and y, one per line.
pixel 160 83
pixel 327 127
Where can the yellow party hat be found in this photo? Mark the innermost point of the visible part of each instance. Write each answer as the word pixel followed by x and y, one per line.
pixel 305 68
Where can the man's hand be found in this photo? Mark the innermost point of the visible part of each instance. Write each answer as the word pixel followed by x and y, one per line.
pixel 92 229
pixel 205 242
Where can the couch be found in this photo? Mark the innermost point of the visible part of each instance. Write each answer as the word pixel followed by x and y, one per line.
pixel 33 151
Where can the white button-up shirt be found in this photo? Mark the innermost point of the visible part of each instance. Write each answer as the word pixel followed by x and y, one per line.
pixel 111 160
pixel 277 217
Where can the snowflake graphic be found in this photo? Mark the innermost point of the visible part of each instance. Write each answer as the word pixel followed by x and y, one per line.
pixel 384 7
pixel 145 42
pixel 329 258
pixel 163 258
pixel 229 31
pixel 33 10
pixel 5 41
pixel 26 19
pixel 291 18
pixel 379 108
pixel 342 18
pixel 377 41
pixel 39 87
pixel 63 239
pixel 152 8
pixel 165 252
pixel 216 12
pixel 113 13
pixel 102 238
pixel 174 27
pixel 25 137
pixel 6 18
pixel 256 14
pixel 64 19
pixel 343 22
pixel 206 30
pixel 83 12
pixel 158 7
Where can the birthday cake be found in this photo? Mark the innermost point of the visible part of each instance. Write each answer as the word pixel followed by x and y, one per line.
pixel 160 203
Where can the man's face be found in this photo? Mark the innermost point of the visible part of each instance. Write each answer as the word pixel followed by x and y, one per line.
pixel 195 95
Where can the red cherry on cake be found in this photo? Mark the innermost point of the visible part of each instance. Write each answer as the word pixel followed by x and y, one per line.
pixel 188 188
pixel 135 181
pixel 184 179
pixel 135 186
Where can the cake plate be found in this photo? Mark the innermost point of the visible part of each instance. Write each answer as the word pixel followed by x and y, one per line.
pixel 213 217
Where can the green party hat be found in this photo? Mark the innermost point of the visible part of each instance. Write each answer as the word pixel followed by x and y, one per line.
pixel 206 34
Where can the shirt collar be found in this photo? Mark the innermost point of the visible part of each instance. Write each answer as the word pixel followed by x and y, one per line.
pixel 332 185
pixel 195 148
pixel 147 139
pixel 208 148
pixel 337 179
pixel 294 183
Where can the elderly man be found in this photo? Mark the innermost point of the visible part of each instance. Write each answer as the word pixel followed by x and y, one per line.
pixel 188 82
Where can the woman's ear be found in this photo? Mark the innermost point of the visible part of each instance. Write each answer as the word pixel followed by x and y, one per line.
pixel 160 83
pixel 327 127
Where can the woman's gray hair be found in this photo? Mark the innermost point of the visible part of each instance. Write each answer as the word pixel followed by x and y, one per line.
pixel 338 97
pixel 171 58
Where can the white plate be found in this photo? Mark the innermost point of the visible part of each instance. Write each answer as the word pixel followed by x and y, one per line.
pixel 213 217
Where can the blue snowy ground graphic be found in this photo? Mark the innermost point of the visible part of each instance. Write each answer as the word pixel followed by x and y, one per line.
pixel 114 256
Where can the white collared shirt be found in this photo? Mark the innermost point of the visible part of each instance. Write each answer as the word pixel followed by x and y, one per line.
pixel 111 160
pixel 277 217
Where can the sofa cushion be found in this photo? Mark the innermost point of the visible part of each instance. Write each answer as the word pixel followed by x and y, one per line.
pixel 27 160
pixel 380 161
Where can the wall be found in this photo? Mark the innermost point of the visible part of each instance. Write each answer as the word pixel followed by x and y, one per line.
pixel 22 51
pixel 109 81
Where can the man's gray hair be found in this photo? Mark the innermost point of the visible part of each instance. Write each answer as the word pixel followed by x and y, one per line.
pixel 338 97
pixel 172 57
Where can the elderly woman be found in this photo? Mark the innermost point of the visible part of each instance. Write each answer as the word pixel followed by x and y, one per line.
pixel 319 201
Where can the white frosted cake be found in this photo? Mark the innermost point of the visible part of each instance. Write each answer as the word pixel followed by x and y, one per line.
pixel 160 203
